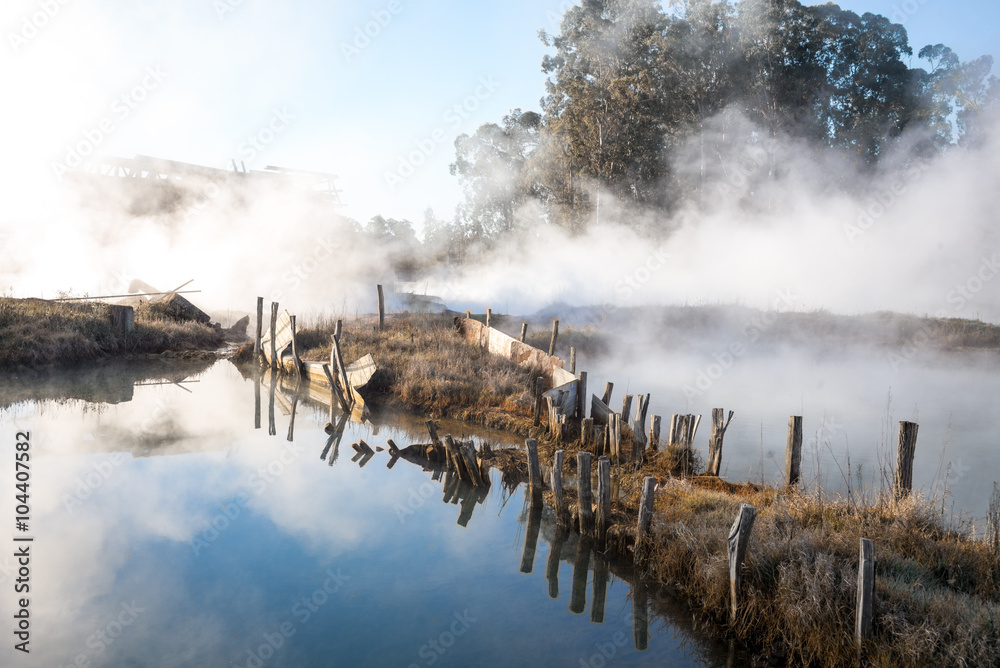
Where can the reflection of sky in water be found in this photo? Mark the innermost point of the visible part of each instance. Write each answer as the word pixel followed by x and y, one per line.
pixel 318 559
pixel 953 399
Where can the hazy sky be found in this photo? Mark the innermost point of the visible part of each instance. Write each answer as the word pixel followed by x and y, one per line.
pixel 197 80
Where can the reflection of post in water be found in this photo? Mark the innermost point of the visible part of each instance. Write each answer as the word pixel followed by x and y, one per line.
pixel 271 430
pixel 256 398
pixel 552 564
pixel 336 432
pixel 578 599
pixel 531 534
pixel 291 420
pixel 640 618
pixel 450 486
pixel 600 588
pixel 471 496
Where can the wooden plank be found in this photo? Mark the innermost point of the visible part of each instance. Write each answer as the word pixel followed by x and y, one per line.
pixel 360 371
pixel 563 397
pixel 277 344
pixel 599 410
pixel 561 377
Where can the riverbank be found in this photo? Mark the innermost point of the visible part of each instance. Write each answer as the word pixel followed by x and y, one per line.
pixel 937 587
pixel 35 334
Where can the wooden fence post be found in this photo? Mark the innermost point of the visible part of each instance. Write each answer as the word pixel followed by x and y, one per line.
pixel 381 308
pixel 586 432
pixel 557 489
pixel 539 391
pixel 646 507
pixel 531 537
pixel 626 408
pixel 555 334
pixel 524 331
pixel 739 535
pixel 295 350
pixel 581 395
pixel 606 397
pixel 719 426
pixel 905 448
pixel 793 451
pixel 534 470
pixel 603 496
pixel 572 359
pixel 654 433
pixel 274 325
pixel 866 592
pixel 586 501
pixel 489 316
pixel 260 331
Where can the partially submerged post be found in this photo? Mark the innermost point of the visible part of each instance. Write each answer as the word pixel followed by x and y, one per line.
pixel 603 497
pixel 866 592
pixel 555 334
pixel 739 535
pixel 260 324
pixel 274 326
pixel 557 489
pixel 534 470
pixel 381 308
pixel 793 451
pixel 905 448
pixel 524 331
pixel 719 426
pixel 586 501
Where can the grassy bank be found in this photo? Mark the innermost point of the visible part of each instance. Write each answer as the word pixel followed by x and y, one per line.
pixel 36 333
pixel 937 586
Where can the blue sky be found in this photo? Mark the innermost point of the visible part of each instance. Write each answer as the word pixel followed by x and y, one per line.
pixel 211 74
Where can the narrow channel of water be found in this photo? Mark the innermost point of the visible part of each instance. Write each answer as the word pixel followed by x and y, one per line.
pixel 169 531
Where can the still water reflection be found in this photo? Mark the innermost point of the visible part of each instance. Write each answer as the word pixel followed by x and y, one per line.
pixel 169 531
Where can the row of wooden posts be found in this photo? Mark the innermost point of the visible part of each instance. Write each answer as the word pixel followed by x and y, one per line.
pixel 739 533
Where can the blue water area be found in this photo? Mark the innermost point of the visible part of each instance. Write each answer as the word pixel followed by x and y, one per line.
pixel 169 531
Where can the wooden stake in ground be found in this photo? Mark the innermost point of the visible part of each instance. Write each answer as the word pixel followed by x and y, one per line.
pixel 603 497
pixel 646 507
pixel 555 335
pixel 274 326
pixel 793 451
pixel 381 308
pixel 654 434
pixel 606 397
pixel 866 592
pixel 260 325
pixel 489 316
pixel 572 359
pixel 539 391
pixel 719 426
pixel 739 535
pixel 524 331
pixel 586 501
pixel 905 448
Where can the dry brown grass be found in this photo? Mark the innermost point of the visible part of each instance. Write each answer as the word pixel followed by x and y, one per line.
pixel 35 333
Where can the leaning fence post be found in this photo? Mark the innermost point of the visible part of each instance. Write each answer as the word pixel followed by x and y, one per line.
pixel 603 496
pixel 524 331
pixel 905 449
pixel 793 450
pixel 739 535
pixel 586 510
pixel 866 591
